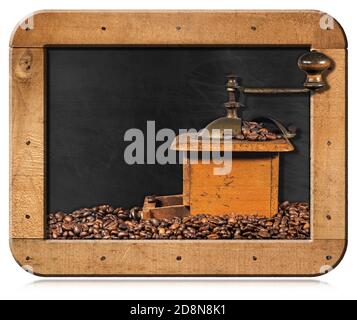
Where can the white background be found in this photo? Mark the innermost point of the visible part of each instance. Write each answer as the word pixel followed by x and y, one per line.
pixel 15 283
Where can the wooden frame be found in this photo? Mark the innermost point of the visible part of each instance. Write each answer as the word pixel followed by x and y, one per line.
pixel 184 258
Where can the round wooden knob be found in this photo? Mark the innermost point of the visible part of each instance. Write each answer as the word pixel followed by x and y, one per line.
pixel 314 64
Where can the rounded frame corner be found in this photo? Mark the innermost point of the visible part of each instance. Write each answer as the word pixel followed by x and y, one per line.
pixel 25 24
pixel 335 25
pixel 25 267
pixel 326 269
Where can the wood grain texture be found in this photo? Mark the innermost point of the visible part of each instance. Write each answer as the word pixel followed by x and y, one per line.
pixel 165 207
pixel 198 258
pixel 27 143
pixel 27 216
pixel 250 188
pixel 190 143
pixel 328 153
pixel 274 199
pixel 178 28
pixel 170 212
pixel 147 206
pixel 186 177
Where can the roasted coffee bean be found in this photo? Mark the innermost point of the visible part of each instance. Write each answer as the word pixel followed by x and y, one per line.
pixel 263 130
pixel 264 233
pixel 285 205
pixel 68 226
pixel 123 216
pixel 68 219
pixel 204 220
pixel 284 221
pixel 282 235
pixel 111 226
pixel 252 136
pixel 59 216
pixel 213 236
pixel 77 230
pixel 175 226
pixel 135 213
pixel 123 226
pixel 270 136
pixel 87 213
pixel 237 235
pixel 155 222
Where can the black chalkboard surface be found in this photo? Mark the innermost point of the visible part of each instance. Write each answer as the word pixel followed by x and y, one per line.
pixel 95 94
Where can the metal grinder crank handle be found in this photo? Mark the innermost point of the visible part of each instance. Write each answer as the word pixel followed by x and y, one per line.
pixel 314 64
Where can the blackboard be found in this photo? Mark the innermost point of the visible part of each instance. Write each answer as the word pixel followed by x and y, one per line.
pixel 94 94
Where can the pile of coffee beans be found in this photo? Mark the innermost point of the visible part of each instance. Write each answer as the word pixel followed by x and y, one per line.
pixel 254 131
pixel 105 222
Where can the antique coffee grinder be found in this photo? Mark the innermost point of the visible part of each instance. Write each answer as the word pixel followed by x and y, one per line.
pixel 252 185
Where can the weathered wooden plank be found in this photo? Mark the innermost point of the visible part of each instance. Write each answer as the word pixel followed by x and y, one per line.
pixel 178 27
pixel 27 143
pixel 328 153
pixel 181 258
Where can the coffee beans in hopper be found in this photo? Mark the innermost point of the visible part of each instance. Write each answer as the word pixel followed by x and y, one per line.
pixel 254 131
pixel 105 222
